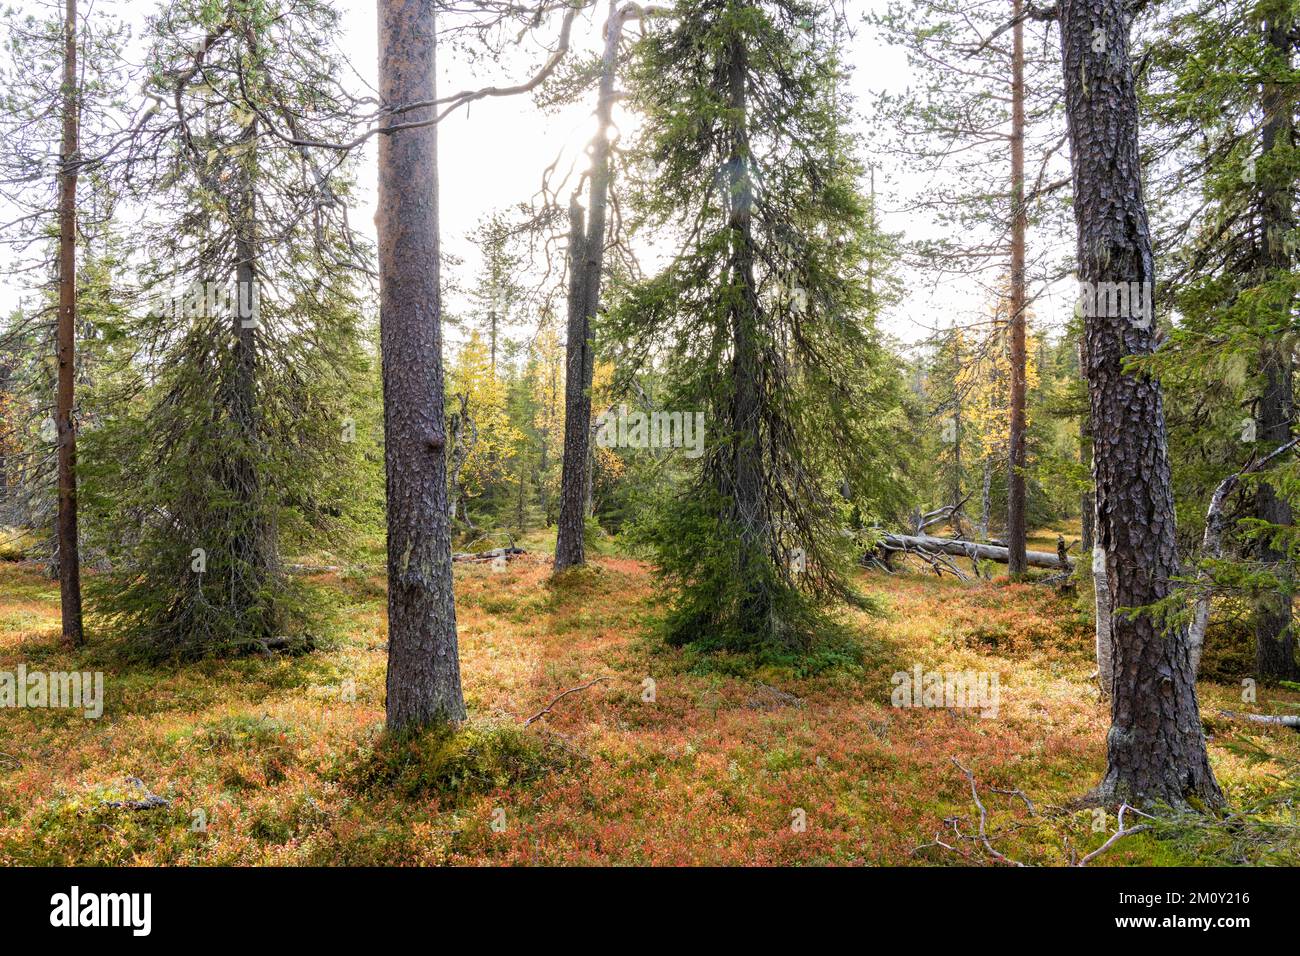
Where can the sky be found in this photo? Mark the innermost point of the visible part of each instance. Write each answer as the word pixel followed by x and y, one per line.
pixel 492 156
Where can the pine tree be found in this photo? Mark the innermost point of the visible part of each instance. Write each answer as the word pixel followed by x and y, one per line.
pixel 61 79
pixel 1156 746
pixel 423 682
pixel 984 112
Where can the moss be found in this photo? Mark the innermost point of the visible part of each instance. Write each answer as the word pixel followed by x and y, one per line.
pixel 455 762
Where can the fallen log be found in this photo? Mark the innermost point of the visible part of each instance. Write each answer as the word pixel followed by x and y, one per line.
pixel 1276 720
pixel 491 555
pixel 970 549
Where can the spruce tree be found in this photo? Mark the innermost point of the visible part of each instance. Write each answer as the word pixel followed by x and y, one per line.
pixel 763 321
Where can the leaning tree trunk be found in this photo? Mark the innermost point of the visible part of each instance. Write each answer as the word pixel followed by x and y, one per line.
pixel 423 682
pixel 1016 445
pixel 587 257
pixel 1274 636
pixel 68 549
pixel 1156 746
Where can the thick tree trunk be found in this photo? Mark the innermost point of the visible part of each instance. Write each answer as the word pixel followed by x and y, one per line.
pixel 1274 635
pixel 587 255
pixel 423 682
pixel 1016 445
pixel 1156 745
pixel 68 547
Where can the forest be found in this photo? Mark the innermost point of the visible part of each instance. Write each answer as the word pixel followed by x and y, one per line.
pixel 670 433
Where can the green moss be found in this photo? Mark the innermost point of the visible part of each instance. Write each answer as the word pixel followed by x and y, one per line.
pixel 456 762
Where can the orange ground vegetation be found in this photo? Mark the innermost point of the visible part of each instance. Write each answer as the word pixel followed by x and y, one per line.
pixel 718 761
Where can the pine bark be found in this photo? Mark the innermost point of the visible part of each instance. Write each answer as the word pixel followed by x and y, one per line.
pixel 570 545
pixel 423 681
pixel 1156 746
pixel 1016 531
pixel 66 339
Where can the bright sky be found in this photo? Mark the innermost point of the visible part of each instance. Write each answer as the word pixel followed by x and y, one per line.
pixel 493 156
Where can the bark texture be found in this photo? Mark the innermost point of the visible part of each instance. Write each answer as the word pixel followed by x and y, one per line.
pixel 570 545
pixel 1156 746
pixel 423 682
pixel 69 555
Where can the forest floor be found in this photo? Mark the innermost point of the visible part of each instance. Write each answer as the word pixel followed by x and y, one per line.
pixel 270 761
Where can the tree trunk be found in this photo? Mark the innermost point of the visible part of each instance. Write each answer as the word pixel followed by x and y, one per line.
pixel 1105 653
pixel 986 498
pixel 584 302
pixel 570 549
pixel 423 682
pixel 743 483
pixel 1275 646
pixel 1016 445
pixel 1156 745
pixel 1087 501
pixel 68 547
pixel 1088 545
pixel 1216 523
pixel 253 543
pixel 954 492
pixel 1274 636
